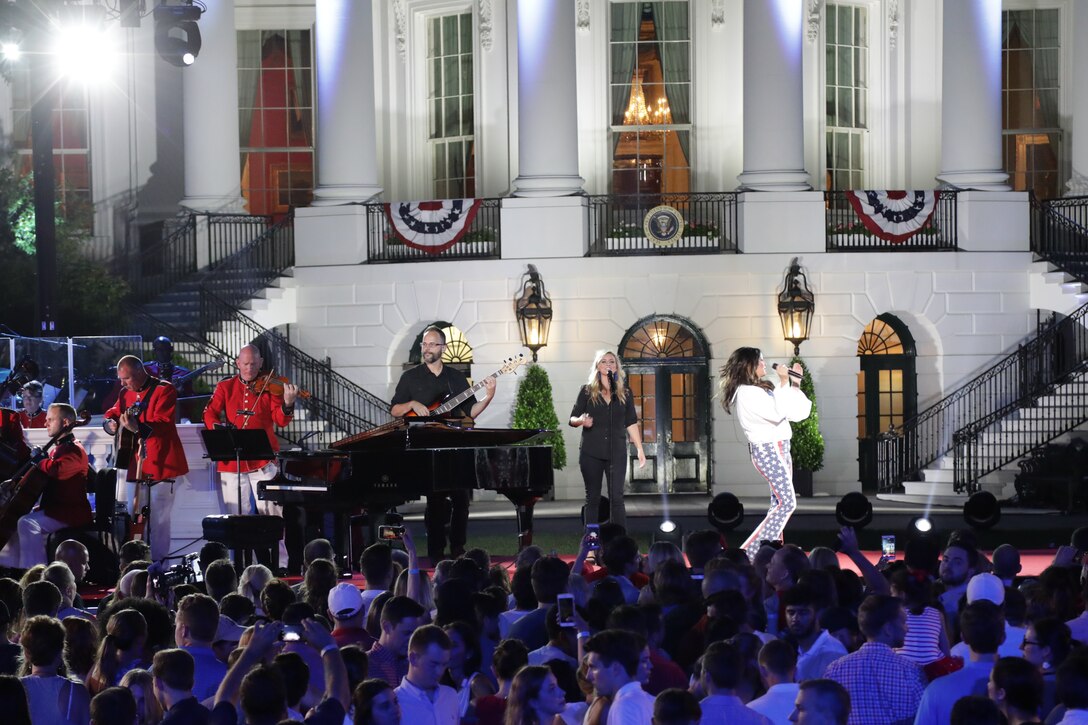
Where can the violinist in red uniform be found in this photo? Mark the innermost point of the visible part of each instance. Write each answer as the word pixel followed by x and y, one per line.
pixel 64 501
pixel 164 458
pixel 235 403
pixel 32 415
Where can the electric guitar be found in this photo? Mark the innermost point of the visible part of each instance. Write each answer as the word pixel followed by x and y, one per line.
pixel 442 407
pixel 180 381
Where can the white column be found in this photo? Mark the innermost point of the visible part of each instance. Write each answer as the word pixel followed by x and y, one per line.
pixel 1078 183
pixel 774 147
pixel 346 138
pixel 547 100
pixel 971 96
pixel 213 175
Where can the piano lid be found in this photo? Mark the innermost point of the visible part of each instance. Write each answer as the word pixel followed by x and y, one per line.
pixel 405 434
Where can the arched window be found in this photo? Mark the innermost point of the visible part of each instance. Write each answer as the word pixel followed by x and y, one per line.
pixel 457 353
pixel 887 387
pixel 666 360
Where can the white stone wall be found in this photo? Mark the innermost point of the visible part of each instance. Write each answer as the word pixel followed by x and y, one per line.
pixel 963 310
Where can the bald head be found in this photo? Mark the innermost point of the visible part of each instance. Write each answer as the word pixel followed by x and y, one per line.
pixel 75 555
pixel 249 363
pixel 1006 561
pixel 131 373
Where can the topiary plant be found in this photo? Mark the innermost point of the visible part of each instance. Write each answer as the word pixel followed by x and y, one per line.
pixel 807 446
pixel 534 409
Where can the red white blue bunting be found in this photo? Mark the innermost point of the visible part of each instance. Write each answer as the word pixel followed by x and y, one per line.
pixel 431 226
pixel 895 216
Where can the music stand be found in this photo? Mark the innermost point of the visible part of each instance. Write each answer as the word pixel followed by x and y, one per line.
pixel 237 444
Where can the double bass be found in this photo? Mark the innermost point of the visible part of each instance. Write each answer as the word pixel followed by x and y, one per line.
pixel 19 493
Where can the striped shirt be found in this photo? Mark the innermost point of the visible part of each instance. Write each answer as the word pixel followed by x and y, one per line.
pixel 923 641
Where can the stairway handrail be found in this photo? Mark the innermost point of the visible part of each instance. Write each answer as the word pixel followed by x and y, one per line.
pixel 904 455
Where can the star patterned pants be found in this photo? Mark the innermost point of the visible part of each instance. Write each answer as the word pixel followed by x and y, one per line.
pixel 774 463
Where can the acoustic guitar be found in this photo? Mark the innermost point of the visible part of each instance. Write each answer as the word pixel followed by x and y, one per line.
pixel 444 406
pixel 19 493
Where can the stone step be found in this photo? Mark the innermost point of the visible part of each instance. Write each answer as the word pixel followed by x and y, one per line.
pixel 947 475
pixel 939 491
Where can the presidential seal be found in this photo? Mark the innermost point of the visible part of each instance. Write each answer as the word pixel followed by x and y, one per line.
pixel 663 225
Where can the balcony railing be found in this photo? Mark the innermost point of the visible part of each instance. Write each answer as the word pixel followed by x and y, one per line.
pixel 1059 233
pixel 162 265
pixel 616 224
pixel 482 239
pixel 847 233
pixel 229 234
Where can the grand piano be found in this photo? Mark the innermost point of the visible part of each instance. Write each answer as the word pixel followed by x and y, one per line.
pixel 405 460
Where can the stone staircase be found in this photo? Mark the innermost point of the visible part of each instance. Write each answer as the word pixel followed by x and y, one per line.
pixel 1061 409
pixel 271 306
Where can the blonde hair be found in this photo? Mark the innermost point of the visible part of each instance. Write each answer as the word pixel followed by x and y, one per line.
pixel 593 384
pixel 153 713
pixel 253 580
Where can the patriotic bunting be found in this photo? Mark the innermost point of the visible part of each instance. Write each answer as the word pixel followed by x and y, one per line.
pixel 895 216
pixel 431 226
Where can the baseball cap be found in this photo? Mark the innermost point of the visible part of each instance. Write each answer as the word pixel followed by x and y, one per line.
pixel 345 600
pixel 986 586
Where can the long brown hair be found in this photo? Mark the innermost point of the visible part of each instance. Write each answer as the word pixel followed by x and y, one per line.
pixel 526 686
pixel 593 384
pixel 740 369
pixel 125 630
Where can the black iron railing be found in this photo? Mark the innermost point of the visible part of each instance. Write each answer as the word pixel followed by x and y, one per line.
pixel 1015 381
pixel 334 400
pixel 846 232
pixel 1045 382
pixel 1059 233
pixel 616 224
pixel 160 267
pixel 255 264
pixel 229 234
pixel 482 239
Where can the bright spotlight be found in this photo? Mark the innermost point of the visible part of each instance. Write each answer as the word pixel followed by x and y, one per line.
pixel 83 53
pixel 922 525
pixel 670 531
pixel 11 52
pixel 667 526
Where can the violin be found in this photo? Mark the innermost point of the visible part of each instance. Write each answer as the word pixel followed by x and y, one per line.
pixel 274 385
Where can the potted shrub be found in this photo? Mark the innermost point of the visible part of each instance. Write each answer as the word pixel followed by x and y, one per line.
pixel 807 446
pixel 534 409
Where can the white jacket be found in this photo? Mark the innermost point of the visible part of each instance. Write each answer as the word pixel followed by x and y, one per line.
pixel 765 416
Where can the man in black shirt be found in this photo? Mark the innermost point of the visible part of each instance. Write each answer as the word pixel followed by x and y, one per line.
pixel 418 390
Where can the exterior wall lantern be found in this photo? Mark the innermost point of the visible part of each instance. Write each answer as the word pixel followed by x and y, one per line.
pixel 796 304
pixel 533 310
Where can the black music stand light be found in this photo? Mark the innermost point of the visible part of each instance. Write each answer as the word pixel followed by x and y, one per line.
pixel 237 444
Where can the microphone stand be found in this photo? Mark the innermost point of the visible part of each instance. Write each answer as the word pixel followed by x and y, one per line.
pixel 611 445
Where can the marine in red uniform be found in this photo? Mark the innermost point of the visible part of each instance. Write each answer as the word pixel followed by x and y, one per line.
pixel 64 499
pixel 235 403
pixel 163 455
pixel 32 415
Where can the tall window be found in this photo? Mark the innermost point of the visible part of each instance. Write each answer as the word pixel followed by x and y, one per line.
pixel 847 95
pixel 1030 85
pixel 276 119
pixel 450 99
pixel 71 144
pixel 650 48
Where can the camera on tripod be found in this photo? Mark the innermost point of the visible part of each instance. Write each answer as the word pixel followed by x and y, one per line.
pixel 187 572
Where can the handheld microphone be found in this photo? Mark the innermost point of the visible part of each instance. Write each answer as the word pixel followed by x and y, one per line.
pixel 792 373
pixel 612 379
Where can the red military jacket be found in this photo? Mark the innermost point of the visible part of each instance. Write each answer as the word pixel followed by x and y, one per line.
pixel 65 495
pixel 165 457
pixel 232 401
pixel 11 433
pixel 32 421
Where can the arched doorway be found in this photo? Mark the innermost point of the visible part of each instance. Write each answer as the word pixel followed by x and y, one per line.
pixel 667 364
pixel 887 388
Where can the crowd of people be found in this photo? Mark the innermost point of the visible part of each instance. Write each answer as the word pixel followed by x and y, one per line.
pixel 699 636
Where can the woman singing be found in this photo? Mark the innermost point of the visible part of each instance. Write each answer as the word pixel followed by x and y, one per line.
pixel 605 411
pixel 764 411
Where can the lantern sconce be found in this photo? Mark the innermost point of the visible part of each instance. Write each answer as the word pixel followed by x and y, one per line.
pixel 796 304
pixel 533 310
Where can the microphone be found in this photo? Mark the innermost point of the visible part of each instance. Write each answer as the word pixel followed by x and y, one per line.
pixel 792 373
pixel 612 379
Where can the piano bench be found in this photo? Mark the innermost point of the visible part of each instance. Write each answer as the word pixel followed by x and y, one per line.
pixel 247 536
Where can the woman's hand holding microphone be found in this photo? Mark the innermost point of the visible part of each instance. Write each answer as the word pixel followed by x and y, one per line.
pixel 785 373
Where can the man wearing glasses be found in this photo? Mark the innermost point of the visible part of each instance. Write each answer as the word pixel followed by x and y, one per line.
pixel 32 415
pixel 418 390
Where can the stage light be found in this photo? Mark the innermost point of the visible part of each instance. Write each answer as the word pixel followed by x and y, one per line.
pixel 177 36
pixel 725 512
pixel 669 530
pixel 920 525
pixel 982 511
pixel 854 510
pixel 11 52
pixel 83 50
